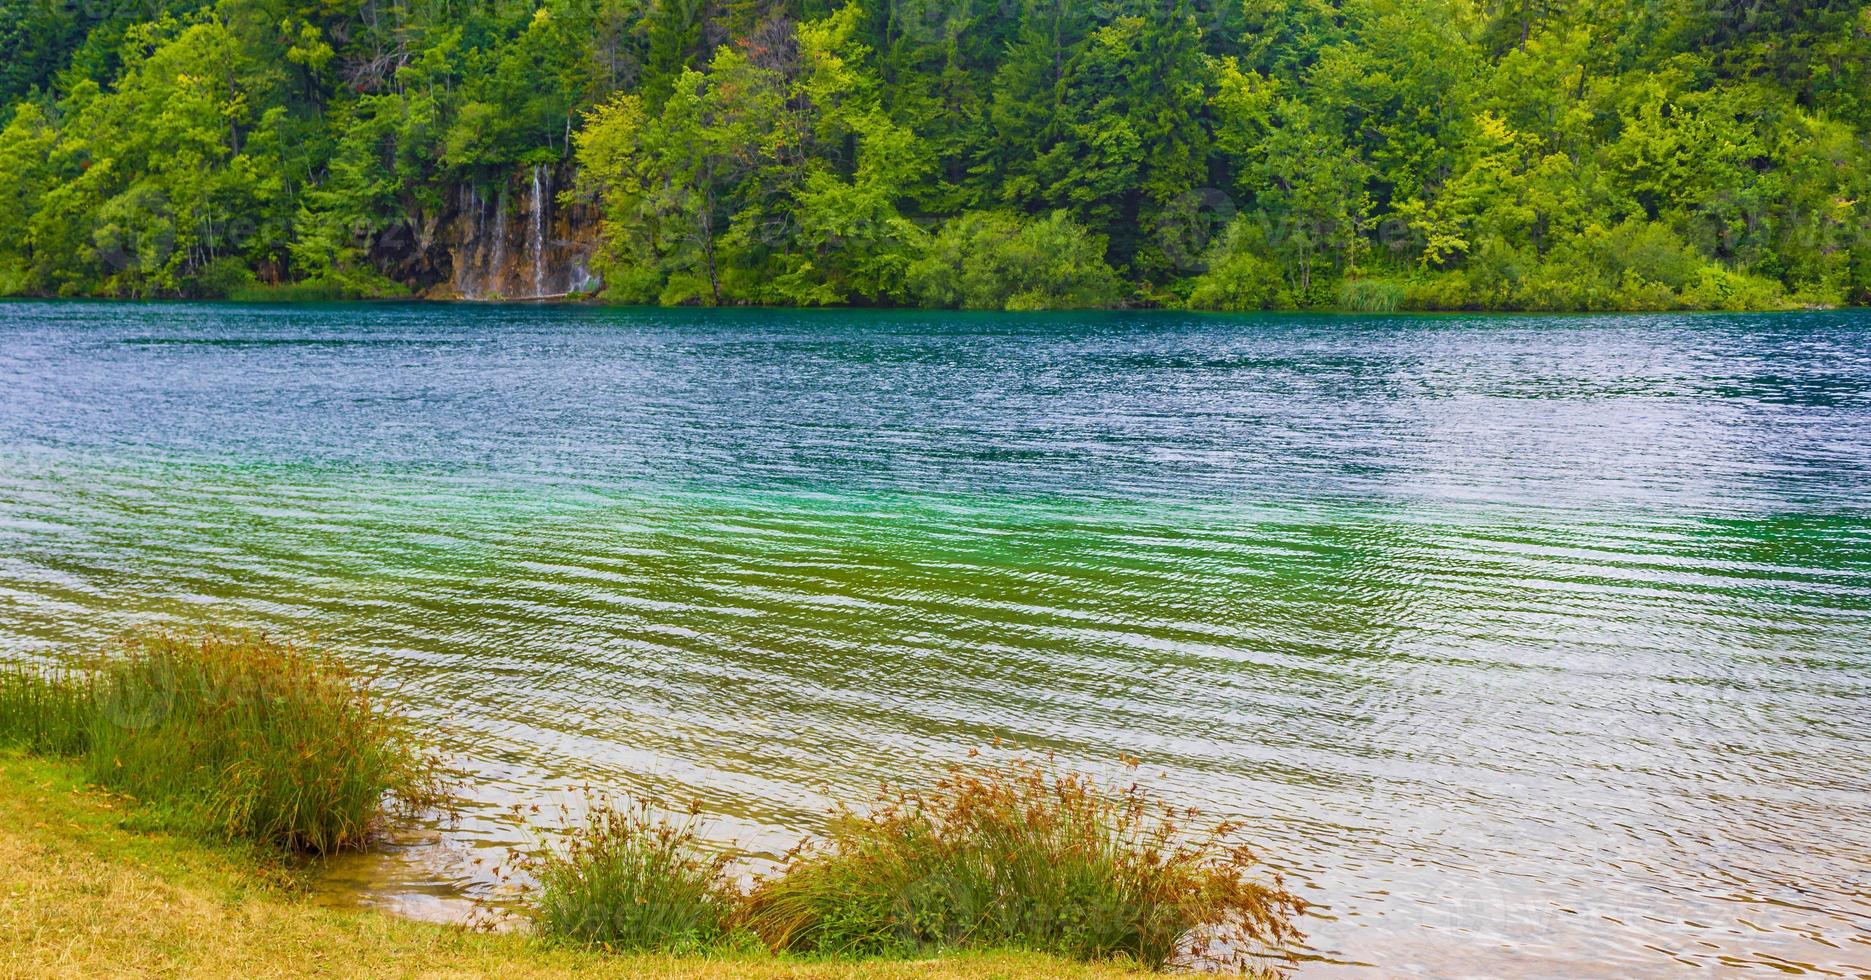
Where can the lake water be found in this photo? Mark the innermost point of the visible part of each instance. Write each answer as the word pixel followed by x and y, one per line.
pixel 1527 646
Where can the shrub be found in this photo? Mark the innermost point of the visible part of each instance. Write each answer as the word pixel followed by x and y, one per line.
pixel 1634 265
pixel 1448 290
pixel 1240 283
pixel 222 278
pixel 627 283
pixel 337 287
pixel 1639 295
pixel 1495 274
pixel 1021 856
pixel 990 260
pixel 1646 250
pixel 1240 275
pixel 1721 289
pixel 236 736
pixel 631 879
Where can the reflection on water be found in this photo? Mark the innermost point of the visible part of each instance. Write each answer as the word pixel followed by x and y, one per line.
pixel 1528 646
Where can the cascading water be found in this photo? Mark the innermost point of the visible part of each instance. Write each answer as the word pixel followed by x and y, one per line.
pixel 539 235
pixel 490 256
pixel 466 285
pixel 496 269
pixel 578 277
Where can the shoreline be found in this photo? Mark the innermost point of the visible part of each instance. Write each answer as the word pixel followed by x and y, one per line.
pixel 86 888
pixel 593 303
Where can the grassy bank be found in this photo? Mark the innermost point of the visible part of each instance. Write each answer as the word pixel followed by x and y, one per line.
pixel 85 892
pixel 257 748
pixel 1019 855
pixel 233 735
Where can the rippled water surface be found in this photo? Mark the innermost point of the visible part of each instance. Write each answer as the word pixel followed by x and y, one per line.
pixel 1529 646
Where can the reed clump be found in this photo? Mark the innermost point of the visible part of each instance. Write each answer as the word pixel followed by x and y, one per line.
pixel 632 879
pixel 1371 295
pixel 45 712
pixel 1022 856
pixel 234 735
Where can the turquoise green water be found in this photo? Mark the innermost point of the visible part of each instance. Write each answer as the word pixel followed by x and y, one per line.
pixel 1526 646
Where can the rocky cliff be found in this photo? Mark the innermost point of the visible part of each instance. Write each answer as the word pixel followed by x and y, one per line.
pixel 512 241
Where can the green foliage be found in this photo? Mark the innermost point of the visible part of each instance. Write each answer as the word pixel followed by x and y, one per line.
pixel 995 260
pixel 26 176
pixel 1024 857
pixel 630 879
pixel 1579 155
pixel 774 176
pixel 224 278
pixel 1241 274
pixel 234 736
pixel 354 285
pixel 1716 288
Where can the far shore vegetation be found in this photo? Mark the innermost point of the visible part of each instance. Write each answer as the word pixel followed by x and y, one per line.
pixel 272 754
pixel 1364 155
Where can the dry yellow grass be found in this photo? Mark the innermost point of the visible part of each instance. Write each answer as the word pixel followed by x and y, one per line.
pixel 84 892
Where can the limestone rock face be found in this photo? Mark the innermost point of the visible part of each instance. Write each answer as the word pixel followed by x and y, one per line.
pixel 513 241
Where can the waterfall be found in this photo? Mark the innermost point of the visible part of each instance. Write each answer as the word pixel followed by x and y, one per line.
pixel 539 236
pixel 578 277
pixel 464 276
pixel 497 267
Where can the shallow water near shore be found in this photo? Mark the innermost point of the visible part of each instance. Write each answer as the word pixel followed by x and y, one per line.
pixel 1527 646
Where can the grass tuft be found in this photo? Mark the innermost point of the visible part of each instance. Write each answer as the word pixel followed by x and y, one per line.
pixel 236 736
pixel 1021 856
pixel 1371 295
pixel 45 712
pixel 633 879
pixel 86 893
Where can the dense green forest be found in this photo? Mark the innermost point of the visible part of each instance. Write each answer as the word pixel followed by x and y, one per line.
pixel 989 154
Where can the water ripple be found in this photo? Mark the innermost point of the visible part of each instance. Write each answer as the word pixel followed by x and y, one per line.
pixel 1529 646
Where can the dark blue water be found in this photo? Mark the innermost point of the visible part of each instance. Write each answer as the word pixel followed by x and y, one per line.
pixel 1527 646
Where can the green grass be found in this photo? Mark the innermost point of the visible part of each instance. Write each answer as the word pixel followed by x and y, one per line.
pixel 290 292
pixel 1018 856
pixel 45 712
pixel 631 879
pixel 242 739
pixel 1022 856
pixel 1371 296
pixel 85 893
pixel 232 735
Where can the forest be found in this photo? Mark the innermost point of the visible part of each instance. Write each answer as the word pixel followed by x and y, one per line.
pixel 979 154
